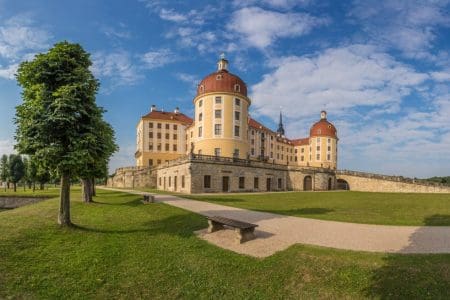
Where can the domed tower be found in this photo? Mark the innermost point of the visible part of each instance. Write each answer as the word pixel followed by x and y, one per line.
pixel 323 143
pixel 221 114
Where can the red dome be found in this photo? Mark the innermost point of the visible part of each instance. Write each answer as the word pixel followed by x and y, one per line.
pixel 222 81
pixel 323 128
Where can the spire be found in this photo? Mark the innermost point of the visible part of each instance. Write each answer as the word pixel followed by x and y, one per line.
pixel 222 64
pixel 280 129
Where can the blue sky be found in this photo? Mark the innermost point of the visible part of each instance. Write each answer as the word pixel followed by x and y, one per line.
pixel 380 68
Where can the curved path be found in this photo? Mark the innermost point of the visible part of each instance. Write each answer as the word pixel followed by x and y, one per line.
pixel 278 232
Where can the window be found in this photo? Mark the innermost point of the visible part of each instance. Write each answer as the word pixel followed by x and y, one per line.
pixel 329 141
pixel 236 131
pixel 182 181
pixel 167 126
pixel 217 151
pixel 271 146
pixel 218 113
pixel 237 115
pixel 296 158
pixel 200 117
pixel 167 147
pixel 158 135
pixel 278 156
pixel 271 154
pixel 150 162
pixel 159 147
pixel 159 161
pixel 175 137
pixel 218 100
pixel 150 147
pixel 252 141
pixel 159 125
pixel 302 150
pixel 318 148
pixel 318 156
pixel 192 134
pixel 237 88
pixel 328 156
pixel 200 131
pixel 167 136
pixel 253 151
pixel 318 140
pixel 280 183
pixel 241 182
pixel 237 102
pixel 175 127
pixel 217 129
pixel 207 181
pixel 295 151
pixel 150 125
pixel 170 181
pixel 159 180
pixel 200 103
pixel 329 148
pixel 253 132
pixel 175 147
pixel 256 183
pixel 302 158
pixel 150 134
pixel 236 153
pixel 202 88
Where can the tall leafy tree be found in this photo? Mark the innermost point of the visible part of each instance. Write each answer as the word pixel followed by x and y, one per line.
pixel 16 169
pixel 4 169
pixel 57 120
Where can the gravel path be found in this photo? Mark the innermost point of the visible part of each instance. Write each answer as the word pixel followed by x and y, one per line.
pixel 278 232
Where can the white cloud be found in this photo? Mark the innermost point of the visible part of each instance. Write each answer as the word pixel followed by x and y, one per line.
pixel 336 79
pixel 158 58
pixel 19 36
pixel 172 15
pixel 441 76
pixel 407 25
pixel 283 4
pixel 6 147
pixel 117 66
pixel 261 28
pixel 8 72
pixel 123 158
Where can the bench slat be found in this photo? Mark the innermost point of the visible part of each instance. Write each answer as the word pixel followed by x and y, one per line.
pixel 231 222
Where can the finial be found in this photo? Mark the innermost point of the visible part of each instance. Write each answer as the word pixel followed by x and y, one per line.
pixel 222 64
pixel 222 55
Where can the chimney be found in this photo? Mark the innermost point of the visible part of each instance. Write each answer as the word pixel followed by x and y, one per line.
pixel 177 110
pixel 153 108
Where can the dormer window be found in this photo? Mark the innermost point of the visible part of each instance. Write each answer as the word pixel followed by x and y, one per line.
pixel 219 77
pixel 201 88
pixel 237 88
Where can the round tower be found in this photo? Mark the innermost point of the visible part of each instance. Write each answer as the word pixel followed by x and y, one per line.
pixel 323 143
pixel 221 114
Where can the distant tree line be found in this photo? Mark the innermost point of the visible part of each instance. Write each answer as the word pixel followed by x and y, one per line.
pixel 445 180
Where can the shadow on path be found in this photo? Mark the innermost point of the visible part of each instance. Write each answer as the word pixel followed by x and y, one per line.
pixel 414 276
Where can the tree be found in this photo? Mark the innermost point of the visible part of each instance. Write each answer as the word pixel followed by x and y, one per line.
pixel 4 169
pixel 57 120
pixel 16 169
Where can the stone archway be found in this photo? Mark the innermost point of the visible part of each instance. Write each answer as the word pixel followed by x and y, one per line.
pixel 330 184
pixel 307 183
pixel 343 185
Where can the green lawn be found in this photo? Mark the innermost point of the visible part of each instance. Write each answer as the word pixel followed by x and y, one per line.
pixel 47 192
pixel 124 249
pixel 356 207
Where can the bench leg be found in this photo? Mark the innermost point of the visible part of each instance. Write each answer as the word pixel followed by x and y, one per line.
pixel 244 235
pixel 214 226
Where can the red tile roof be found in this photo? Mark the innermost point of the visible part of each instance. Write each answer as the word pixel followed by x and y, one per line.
pixel 169 116
pixel 323 128
pixel 255 124
pixel 300 142
pixel 221 81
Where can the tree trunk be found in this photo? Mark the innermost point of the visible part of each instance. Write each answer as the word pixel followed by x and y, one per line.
pixel 41 186
pixel 15 187
pixel 34 186
pixel 64 204
pixel 94 192
pixel 86 190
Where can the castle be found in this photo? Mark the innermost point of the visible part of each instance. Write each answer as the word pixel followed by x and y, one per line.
pixel 223 149
pixel 223 128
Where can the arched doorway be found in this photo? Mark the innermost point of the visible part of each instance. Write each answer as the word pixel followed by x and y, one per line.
pixel 307 183
pixel 330 183
pixel 342 185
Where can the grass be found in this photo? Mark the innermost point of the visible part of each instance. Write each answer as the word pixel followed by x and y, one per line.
pixel 121 248
pixel 47 192
pixel 355 207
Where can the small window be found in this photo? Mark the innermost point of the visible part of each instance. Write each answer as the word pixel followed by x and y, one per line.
pixel 175 127
pixel 158 135
pixel 200 131
pixel 200 117
pixel 256 183
pixel 280 183
pixel 237 88
pixel 175 148
pixel 150 162
pixel 217 151
pixel 200 103
pixel 150 125
pixel 182 181
pixel 237 115
pixel 167 136
pixel 302 150
pixel 207 181
pixel 167 147
pixel 328 156
pixel 218 113
pixel 302 158
pixel 271 154
pixel 219 77
pixel 201 88
pixel 150 147
pixel 242 182
pixel 175 136
pixel 150 134
pixel 170 181
pixel 218 100
pixel 237 102
pixel 253 151
pixel 217 129
pixel 318 148
pixel 329 141
pixel 236 153
pixel 159 125
pixel 252 141
pixel 159 180
pixel 318 156
pixel 237 131
pixel 329 148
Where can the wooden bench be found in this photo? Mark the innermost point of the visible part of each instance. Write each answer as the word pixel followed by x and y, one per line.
pixel 245 231
pixel 148 199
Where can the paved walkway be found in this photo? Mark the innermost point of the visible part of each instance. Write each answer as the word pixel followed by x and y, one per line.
pixel 278 232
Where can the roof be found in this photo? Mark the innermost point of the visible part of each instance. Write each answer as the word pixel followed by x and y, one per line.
pixel 323 128
pixel 301 142
pixel 168 116
pixel 257 125
pixel 222 81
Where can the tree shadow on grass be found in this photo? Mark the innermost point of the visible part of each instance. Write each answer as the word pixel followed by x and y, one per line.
pixel 416 276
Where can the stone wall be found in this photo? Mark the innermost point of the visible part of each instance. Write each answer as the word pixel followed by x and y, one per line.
pixel 133 177
pixel 366 182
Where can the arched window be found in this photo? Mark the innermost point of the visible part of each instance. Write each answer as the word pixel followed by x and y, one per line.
pixel 219 77
pixel 237 88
